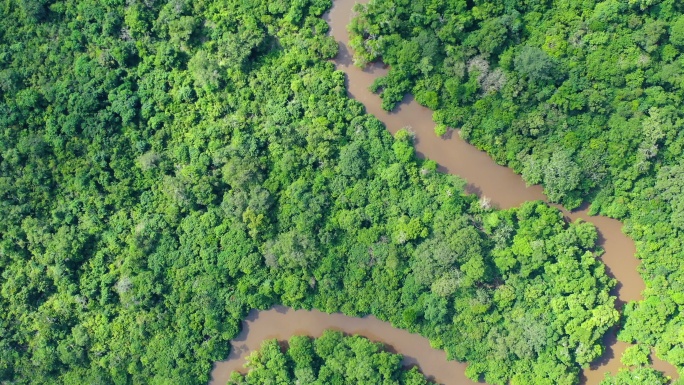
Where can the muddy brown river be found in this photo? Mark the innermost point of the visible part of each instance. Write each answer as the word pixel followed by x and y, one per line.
pixel 485 178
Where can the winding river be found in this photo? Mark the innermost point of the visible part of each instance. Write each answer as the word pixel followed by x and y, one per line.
pixel 501 185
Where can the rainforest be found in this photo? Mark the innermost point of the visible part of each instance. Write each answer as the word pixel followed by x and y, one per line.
pixel 168 169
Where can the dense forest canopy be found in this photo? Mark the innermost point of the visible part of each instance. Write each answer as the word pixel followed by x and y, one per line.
pixel 167 166
pixel 330 359
pixel 584 97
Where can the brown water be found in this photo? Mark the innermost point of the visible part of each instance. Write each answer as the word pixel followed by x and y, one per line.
pixel 283 322
pixel 485 178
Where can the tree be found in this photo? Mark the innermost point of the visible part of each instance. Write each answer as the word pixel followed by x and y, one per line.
pixel 353 160
pixel 535 64
pixel 670 186
pixel 636 377
pixel 677 32
pixel 205 70
pixel 636 355
pixel 561 176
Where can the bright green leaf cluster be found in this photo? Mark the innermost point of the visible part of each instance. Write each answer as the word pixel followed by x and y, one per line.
pixel 330 359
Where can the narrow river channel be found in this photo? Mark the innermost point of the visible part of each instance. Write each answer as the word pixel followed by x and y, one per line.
pixel 501 185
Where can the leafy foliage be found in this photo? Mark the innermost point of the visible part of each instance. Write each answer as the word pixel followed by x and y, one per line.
pixel 637 358
pixel 329 359
pixel 636 376
pixel 582 96
pixel 166 167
